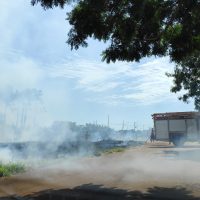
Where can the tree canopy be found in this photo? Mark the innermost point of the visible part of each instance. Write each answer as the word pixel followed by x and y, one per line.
pixel 135 29
pixel 187 76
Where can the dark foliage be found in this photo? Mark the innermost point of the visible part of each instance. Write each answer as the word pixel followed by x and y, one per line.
pixel 135 28
pixel 50 3
pixel 187 76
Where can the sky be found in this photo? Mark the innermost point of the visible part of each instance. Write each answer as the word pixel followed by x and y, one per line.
pixel 76 85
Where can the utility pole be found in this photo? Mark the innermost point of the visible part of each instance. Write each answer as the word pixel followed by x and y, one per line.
pixel 123 125
pixel 108 121
pixel 135 131
pixel 134 126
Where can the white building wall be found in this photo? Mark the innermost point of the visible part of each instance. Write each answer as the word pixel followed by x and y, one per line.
pixel 161 128
pixel 192 132
pixel 178 125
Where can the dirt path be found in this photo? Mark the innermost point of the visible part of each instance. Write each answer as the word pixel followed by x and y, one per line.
pixel 152 171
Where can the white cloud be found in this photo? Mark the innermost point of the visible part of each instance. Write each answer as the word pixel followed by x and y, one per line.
pixel 40 36
pixel 120 82
pixel 90 75
pixel 18 71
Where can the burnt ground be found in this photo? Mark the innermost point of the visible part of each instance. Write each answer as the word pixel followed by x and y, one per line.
pixel 52 150
pixel 152 171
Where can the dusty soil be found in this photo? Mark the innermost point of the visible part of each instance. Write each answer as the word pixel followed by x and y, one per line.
pixel 151 171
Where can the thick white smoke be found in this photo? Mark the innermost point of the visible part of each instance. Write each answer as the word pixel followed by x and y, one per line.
pixel 24 135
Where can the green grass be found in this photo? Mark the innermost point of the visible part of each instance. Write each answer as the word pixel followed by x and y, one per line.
pixel 11 168
pixel 114 150
pixel 100 151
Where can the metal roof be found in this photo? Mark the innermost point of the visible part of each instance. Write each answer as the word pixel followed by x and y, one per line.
pixel 176 115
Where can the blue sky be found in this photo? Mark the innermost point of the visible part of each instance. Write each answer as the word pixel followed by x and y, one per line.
pixel 76 85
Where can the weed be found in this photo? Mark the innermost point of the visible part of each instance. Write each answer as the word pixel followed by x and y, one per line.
pixel 11 168
pixel 114 150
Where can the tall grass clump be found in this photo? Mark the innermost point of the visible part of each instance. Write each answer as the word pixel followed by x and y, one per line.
pixel 11 168
pixel 115 150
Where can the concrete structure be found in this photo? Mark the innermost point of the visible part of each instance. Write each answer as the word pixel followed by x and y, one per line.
pixel 177 127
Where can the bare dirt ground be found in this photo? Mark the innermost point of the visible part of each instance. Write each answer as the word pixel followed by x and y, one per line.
pixel 152 171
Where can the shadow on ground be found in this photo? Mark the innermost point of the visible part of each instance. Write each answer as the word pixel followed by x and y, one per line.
pixel 98 192
pixel 161 147
pixel 171 146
